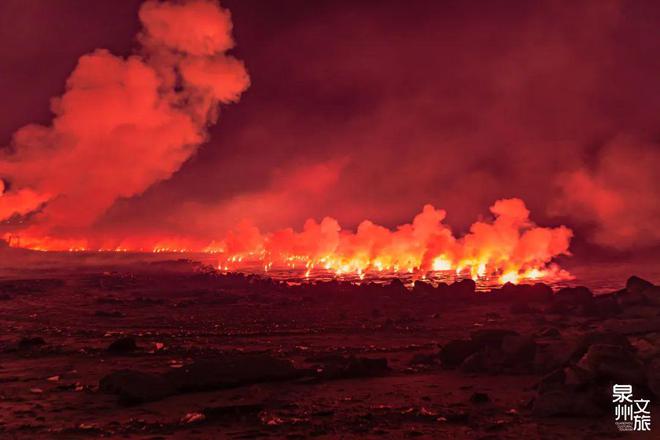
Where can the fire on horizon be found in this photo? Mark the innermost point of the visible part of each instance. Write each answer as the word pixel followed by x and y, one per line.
pixel 510 248
pixel 114 170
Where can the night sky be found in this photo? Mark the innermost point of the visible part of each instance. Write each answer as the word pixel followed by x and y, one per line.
pixel 370 109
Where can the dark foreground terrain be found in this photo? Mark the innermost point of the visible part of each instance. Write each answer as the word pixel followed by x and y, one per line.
pixel 170 350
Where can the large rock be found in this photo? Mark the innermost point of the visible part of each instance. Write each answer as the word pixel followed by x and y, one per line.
pixel 230 370
pixel 579 296
pixel 641 311
pixel 614 363
pixel 134 387
pixel 351 367
pixel 638 292
pixel 466 287
pixel 602 337
pixel 487 360
pixel 524 293
pixel 124 344
pixel 572 392
pixel 396 287
pixel 636 284
pixel 652 295
pixel 570 376
pixel 604 306
pixel 491 351
pixel 30 342
pixel 423 288
pixel 551 355
pixel 453 353
pixel 510 354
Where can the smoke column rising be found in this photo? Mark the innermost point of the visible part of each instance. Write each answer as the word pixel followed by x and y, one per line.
pixel 510 246
pixel 124 124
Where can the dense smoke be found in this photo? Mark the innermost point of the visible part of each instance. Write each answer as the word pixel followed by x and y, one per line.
pixel 509 245
pixel 619 195
pixel 125 123
pixel 354 112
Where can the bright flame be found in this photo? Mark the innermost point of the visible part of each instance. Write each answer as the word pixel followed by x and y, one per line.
pixel 510 248
pixel 441 263
pixel 510 277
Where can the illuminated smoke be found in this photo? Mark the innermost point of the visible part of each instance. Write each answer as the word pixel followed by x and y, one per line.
pixel 510 246
pixel 124 124
pixel 617 196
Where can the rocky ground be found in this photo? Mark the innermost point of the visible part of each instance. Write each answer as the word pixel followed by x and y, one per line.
pixel 170 350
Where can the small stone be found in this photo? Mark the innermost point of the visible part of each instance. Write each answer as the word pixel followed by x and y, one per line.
pixel 479 398
pixel 123 345
pixel 27 342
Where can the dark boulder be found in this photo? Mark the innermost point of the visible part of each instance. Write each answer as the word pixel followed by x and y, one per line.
pixel 608 338
pixel 525 293
pixel 464 288
pixel 29 342
pixel 453 353
pixel 396 287
pixel 479 398
pixel 520 350
pixel 614 363
pixel 231 371
pixel 636 284
pixel 351 367
pixel 134 387
pixel 486 360
pixel 423 288
pixel 652 295
pixel 228 371
pixel 551 355
pixel 603 306
pixel 491 337
pixel 511 354
pixel 569 377
pixel 570 392
pixel 637 292
pixel 126 344
pixel 578 296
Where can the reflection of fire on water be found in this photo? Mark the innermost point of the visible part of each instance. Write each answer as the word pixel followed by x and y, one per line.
pixel 508 248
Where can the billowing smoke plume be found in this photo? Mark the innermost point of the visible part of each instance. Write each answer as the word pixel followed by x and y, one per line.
pixel 510 246
pixel 125 123
pixel 617 196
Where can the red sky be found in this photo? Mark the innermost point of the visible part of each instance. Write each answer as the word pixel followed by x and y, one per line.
pixel 371 109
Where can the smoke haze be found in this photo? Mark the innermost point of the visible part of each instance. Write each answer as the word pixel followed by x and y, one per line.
pixel 356 110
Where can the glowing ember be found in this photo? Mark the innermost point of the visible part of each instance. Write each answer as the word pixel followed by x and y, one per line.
pixel 510 248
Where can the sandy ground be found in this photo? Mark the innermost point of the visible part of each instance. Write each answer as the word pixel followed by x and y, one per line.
pixel 178 317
